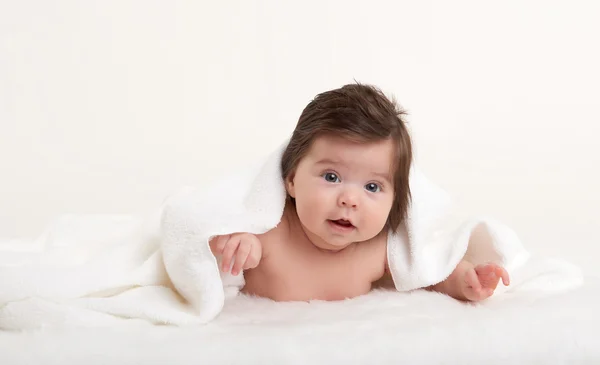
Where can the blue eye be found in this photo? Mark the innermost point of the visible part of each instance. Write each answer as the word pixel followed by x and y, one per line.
pixel 372 187
pixel 331 177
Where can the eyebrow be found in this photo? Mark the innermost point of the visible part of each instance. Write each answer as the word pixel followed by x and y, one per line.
pixel 328 161
pixel 383 176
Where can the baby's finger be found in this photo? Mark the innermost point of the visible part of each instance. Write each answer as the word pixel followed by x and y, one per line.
pixel 254 256
pixel 501 272
pixel 230 248
pixel 251 261
pixel 476 296
pixel 486 269
pixel 472 280
pixel 240 257
pixel 223 241
pixel 212 243
pixel 218 243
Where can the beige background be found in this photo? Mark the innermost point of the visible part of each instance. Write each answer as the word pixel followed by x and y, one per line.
pixel 106 107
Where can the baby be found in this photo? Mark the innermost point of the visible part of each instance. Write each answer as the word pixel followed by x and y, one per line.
pixel 346 171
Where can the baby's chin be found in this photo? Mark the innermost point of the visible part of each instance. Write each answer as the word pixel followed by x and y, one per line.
pixel 334 246
pixel 331 248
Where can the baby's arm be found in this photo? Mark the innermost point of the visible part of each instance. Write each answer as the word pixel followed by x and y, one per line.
pixel 472 283
pixel 246 248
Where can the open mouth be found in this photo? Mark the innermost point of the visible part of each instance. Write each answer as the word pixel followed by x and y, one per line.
pixel 342 223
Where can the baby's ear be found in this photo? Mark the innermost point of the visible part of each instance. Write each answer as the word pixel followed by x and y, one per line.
pixel 289 185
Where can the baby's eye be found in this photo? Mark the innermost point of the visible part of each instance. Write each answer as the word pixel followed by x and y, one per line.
pixel 372 187
pixel 331 177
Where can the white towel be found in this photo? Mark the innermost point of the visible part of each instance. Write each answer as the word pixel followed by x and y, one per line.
pixel 97 271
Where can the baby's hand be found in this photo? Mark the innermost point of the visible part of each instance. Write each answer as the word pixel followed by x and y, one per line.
pixel 480 282
pixel 245 246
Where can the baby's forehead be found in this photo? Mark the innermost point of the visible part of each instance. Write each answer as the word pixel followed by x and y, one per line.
pixel 375 156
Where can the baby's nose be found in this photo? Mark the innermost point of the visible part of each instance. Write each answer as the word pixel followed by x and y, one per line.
pixel 348 199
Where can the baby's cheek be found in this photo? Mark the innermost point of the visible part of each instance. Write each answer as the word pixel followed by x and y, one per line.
pixel 315 198
pixel 381 221
pixel 383 216
pixel 308 208
pixel 373 221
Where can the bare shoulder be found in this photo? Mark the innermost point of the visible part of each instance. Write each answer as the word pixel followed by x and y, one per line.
pixel 384 278
pixel 374 252
pixel 277 235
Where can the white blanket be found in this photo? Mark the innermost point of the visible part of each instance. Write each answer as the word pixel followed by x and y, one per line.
pixel 424 328
pixel 97 271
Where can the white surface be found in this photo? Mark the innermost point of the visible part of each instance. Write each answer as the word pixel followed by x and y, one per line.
pixel 381 328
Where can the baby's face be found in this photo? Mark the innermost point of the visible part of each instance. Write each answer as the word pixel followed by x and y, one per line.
pixel 343 191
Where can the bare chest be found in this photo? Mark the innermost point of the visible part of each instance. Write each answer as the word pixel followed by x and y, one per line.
pixel 293 272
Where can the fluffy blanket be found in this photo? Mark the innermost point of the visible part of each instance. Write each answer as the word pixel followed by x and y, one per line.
pixel 384 327
pixel 101 270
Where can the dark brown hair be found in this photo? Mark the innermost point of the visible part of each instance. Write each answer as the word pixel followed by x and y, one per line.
pixel 359 113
